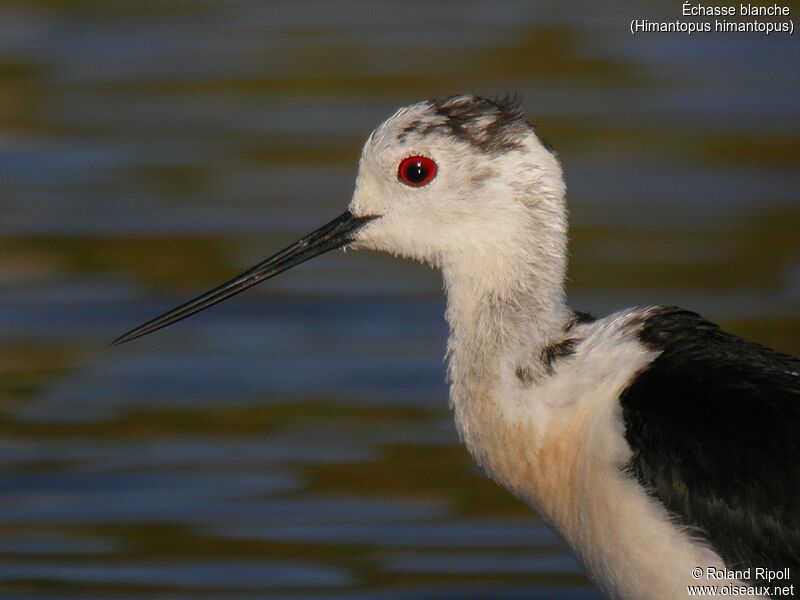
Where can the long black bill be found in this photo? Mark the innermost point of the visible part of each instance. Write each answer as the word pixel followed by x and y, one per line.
pixel 335 234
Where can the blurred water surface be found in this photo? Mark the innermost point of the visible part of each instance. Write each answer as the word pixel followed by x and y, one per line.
pixel 295 442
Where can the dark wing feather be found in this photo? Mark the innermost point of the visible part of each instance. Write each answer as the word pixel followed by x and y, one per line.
pixel 714 425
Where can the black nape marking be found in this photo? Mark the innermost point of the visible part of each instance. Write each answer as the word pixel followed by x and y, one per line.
pixel 524 375
pixel 491 125
pixel 714 427
pixel 413 126
pixel 553 352
pixel 556 351
pixel 547 361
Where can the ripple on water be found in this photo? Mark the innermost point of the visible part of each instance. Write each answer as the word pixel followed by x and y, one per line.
pixel 197 575
pixel 452 533
pixel 105 498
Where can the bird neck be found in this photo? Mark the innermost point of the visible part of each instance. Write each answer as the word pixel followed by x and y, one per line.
pixel 493 328
pixel 502 310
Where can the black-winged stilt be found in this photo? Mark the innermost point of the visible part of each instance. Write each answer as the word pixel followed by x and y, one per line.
pixel 655 443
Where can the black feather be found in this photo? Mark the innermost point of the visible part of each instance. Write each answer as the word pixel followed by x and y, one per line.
pixel 491 125
pixel 714 425
pixel 556 351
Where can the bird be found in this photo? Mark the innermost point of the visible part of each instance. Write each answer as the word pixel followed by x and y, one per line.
pixel 662 449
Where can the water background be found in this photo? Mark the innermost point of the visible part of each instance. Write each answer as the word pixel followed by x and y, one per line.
pixel 295 442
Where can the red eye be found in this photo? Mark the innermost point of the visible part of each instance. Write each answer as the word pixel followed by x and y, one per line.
pixel 416 171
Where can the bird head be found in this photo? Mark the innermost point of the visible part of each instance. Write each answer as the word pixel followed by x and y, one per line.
pixel 461 183
pixel 456 180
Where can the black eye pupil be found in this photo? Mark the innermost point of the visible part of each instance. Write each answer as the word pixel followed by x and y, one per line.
pixel 416 172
